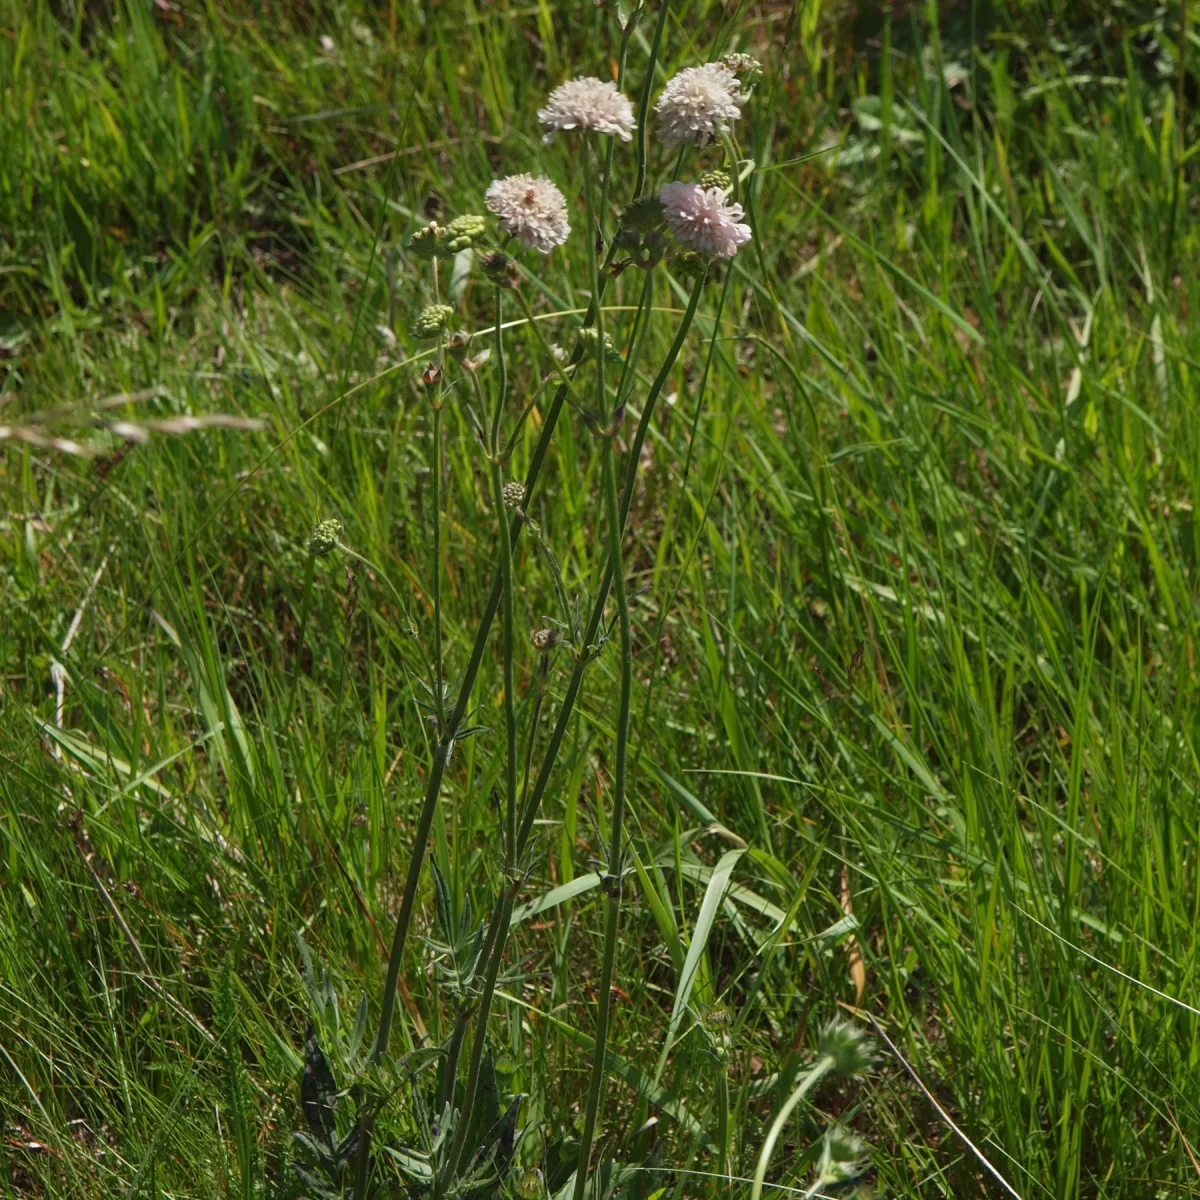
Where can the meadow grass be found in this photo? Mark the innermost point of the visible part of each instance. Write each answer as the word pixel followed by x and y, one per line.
pixel 912 577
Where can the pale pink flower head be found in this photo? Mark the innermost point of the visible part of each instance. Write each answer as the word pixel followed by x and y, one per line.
pixel 703 219
pixel 531 208
pixel 698 104
pixel 589 104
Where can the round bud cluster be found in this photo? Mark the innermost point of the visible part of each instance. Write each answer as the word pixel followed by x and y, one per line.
pixel 716 179
pixel 463 231
pixel 545 638
pixel 514 494
pixel 432 320
pixel 325 538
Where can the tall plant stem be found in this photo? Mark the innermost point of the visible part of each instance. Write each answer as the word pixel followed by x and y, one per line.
pixel 612 903
pixel 597 613
pixel 501 915
pixel 647 88
pixel 438 692
pixel 305 604
pixel 506 610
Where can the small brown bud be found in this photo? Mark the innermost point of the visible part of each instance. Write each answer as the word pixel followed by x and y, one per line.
pixel 546 638
pixel 431 375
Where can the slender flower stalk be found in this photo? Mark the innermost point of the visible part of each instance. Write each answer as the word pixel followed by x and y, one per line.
pixel 612 902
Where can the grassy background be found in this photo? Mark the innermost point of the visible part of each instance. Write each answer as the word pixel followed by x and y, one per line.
pixel 917 613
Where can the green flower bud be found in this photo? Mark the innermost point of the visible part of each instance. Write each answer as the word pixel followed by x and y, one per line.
pixel 716 179
pixel 464 231
pixel 514 494
pixel 432 320
pixel 325 537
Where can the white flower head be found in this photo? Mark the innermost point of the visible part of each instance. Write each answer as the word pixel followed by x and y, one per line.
pixel 698 103
pixel 703 219
pixel 531 208
pixel 589 104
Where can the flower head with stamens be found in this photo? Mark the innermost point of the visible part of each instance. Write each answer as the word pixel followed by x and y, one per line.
pixel 698 104
pixel 704 219
pixel 531 208
pixel 589 104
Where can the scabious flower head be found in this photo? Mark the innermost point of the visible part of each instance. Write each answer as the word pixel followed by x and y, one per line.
pixel 703 219
pixel 589 104
pixel 530 208
pixel 513 493
pixel 698 103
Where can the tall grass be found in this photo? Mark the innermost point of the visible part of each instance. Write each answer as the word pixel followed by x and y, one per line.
pixel 910 582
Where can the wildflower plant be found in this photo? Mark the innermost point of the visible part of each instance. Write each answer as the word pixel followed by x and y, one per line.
pixel 466 1146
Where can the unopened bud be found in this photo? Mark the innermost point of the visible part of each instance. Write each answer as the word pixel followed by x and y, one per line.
pixel 432 319
pixel 514 494
pixel 464 231
pixel 716 179
pixel 431 375
pixel 458 344
pixel 325 537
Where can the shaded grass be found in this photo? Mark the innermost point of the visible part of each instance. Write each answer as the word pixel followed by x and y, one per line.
pixel 915 599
